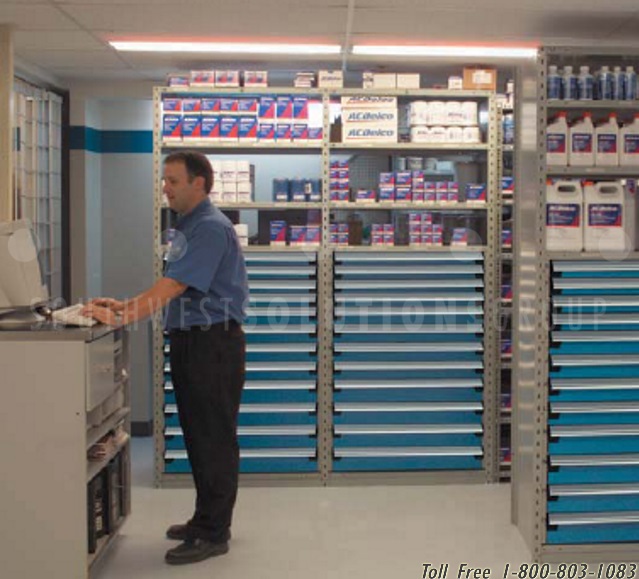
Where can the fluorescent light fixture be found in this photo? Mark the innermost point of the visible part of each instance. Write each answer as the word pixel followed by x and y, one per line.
pixel 444 51
pixel 226 47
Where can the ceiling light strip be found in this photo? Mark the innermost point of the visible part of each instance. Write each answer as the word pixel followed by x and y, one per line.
pixel 446 51
pixel 226 47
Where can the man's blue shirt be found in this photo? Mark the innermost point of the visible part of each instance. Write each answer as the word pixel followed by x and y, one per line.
pixel 206 256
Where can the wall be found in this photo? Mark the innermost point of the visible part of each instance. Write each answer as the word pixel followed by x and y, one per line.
pixel 112 217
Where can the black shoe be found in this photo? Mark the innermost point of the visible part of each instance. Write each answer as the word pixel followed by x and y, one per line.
pixel 177 533
pixel 180 533
pixel 193 551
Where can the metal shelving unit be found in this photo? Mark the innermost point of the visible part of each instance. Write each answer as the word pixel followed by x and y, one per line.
pixel 574 408
pixel 309 428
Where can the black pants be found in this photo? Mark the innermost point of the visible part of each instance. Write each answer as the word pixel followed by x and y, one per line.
pixel 207 369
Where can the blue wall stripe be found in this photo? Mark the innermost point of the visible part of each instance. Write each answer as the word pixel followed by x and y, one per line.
pixel 96 141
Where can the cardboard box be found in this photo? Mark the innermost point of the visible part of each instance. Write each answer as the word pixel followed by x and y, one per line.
pixel 384 80
pixel 409 80
pixel 477 78
pixel 330 79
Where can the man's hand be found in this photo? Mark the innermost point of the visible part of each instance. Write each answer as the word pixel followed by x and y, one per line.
pixel 109 303
pixel 102 314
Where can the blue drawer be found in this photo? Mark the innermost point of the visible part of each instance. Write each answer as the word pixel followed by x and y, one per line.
pixel 610 474
pixel 594 445
pixel 407 374
pixel 390 417
pixel 595 418
pixel 253 465
pixel 406 356
pixel 594 396
pixel 405 337
pixel 595 504
pixel 177 442
pixel 404 440
pixel 408 395
pixel 580 534
pixel 407 464
pixel 596 348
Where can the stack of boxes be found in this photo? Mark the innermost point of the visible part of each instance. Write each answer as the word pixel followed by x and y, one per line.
pixel 233 182
pixel 296 235
pixel 423 231
pixel 339 181
pixel 219 79
pixel 444 122
pixel 369 119
pixel 339 234
pixel 383 234
pixel 248 119
pixel 297 190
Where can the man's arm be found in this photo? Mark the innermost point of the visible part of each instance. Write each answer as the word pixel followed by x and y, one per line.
pixel 137 308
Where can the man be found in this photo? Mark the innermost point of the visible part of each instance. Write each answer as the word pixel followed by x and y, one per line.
pixel 205 286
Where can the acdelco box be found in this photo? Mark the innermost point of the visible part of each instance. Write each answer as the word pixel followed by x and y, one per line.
pixel 210 128
pixel 191 105
pixel 300 108
pixel 210 105
pixel 266 132
pixel 202 78
pixel 228 106
pixel 172 104
pixel 229 128
pixel 369 102
pixel 256 78
pixel 283 132
pixel 373 132
pixel 284 107
pixel 191 128
pixel 247 106
pixel 278 232
pixel 227 78
pixel 247 130
pixel 172 127
pixel 365 116
pixel 267 108
pixel 330 79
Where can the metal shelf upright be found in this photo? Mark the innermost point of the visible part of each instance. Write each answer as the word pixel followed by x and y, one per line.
pixel 575 476
pixel 324 298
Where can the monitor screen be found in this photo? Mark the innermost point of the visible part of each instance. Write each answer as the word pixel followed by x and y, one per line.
pixel 21 284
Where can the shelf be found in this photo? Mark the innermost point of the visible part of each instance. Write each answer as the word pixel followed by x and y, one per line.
pixel 435 248
pixel 242 90
pixel 282 90
pixel 283 205
pixel 593 171
pixel 97 432
pixel 279 248
pixel 239 147
pixel 608 256
pixel 95 466
pixel 588 105
pixel 391 205
pixel 453 147
pixel 103 543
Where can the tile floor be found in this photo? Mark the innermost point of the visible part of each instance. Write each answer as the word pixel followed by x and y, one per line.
pixel 344 532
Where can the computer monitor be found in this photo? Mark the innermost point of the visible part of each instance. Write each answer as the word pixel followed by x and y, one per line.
pixel 21 287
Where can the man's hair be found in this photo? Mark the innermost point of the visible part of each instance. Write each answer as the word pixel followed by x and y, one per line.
pixel 196 164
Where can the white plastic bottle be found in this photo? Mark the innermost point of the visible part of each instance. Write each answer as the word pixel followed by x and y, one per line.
pixel 564 216
pixel 607 138
pixel 557 141
pixel 586 84
pixel 629 143
pixel 581 150
pixel 569 85
pixel 606 215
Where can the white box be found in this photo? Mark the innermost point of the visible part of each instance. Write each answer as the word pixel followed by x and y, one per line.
pixel 229 197
pixel 381 116
pixel 367 79
pixel 369 133
pixel 229 171
pixel 228 188
pixel 369 102
pixel 384 80
pixel 330 79
pixel 408 80
pixel 244 192
pixel 455 83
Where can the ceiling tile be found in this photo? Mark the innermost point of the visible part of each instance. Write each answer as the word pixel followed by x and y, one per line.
pixel 54 40
pixel 471 26
pixel 28 16
pixel 548 6
pixel 210 20
pixel 104 58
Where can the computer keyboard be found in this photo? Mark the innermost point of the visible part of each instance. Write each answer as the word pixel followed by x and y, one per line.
pixel 71 316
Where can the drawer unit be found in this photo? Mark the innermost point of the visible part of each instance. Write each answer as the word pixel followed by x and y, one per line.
pixel 593 426
pixel 278 414
pixel 408 361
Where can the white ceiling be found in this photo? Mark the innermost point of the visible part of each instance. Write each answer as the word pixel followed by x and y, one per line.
pixel 68 38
